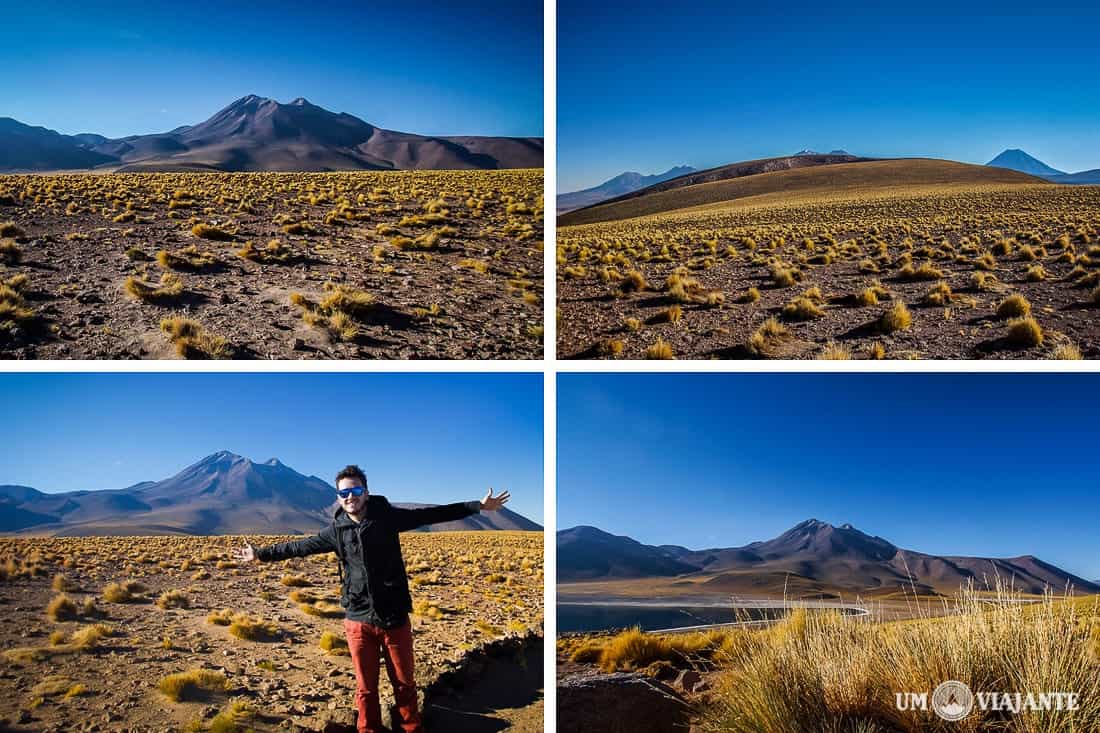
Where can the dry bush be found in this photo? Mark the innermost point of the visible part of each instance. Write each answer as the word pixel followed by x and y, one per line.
pixel 295 581
pixel 250 629
pixel 274 253
pixel 659 350
pixel 127 592
pixel 169 288
pixel 833 351
pixel 195 684
pixel 9 229
pixel 828 673
pixel 897 318
pixel 767 339
pixel 802 309
pixel 237 714
pixel 62 584
pixel 208 231
pixel 334 644
pixel 192 341
pixel 1014 306
pixel 62 608
pixel 322 609
pixel 174 599
pixel 188 259
pixel 10 252
pixel 1025 332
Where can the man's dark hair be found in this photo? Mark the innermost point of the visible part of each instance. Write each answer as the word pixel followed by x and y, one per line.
pixel 352 471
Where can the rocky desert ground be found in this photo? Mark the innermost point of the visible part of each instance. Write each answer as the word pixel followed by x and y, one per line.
pixel 170 633
pixel 852 261
pixel 359 265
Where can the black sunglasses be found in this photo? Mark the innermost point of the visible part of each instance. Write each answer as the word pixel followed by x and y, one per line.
pixel 353 491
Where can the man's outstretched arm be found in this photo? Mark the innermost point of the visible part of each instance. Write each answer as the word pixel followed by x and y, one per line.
pixel 407 519
pixel 324 541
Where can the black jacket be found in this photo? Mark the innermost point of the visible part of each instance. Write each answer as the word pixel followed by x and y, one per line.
pixel 375 586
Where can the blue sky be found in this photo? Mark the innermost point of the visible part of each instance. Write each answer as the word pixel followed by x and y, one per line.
pixel 645 86
pixel 991 465
pixel 432 438
pixel 127 67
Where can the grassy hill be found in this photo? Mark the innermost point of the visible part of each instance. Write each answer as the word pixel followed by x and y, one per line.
pixel 857 178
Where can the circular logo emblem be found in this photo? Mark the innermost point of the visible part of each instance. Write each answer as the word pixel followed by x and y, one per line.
pixel 952 700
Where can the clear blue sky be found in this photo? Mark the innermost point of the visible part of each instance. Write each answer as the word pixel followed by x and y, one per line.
pixel 432 438
pixel 128 67
pixel 645 86
pixel 990 465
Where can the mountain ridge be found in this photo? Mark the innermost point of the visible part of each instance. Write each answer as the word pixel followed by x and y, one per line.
pixel 223 493
pixel 823 558
pixel 617 186
pixel 256 133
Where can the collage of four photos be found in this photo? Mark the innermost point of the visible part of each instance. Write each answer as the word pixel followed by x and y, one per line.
pixel 323 418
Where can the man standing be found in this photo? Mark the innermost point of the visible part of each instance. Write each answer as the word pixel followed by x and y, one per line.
pixel 374 586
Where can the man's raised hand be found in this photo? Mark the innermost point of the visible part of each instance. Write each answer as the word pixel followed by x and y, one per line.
pixel 246 553
pixel 492 503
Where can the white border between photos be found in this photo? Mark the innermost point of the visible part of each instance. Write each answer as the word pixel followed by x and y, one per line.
pixel 549 365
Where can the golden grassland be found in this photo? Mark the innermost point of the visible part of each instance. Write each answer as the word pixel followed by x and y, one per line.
pixel 883 271
pixel 149 627
pixel 821 671
pixel 449 260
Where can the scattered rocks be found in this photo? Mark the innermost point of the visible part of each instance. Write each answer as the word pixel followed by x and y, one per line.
pixel 619 703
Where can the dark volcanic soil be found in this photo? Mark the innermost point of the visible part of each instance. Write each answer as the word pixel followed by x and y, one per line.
pixel 474 293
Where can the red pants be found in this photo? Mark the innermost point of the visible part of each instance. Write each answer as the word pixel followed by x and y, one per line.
pixel 396 646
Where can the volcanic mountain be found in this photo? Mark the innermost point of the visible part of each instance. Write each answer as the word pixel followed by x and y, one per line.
pixel 621 184
pixel 223 493
pixel 1017 160
pixel 259 134
pixel 812 557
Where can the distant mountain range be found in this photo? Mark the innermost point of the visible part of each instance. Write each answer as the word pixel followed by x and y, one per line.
pixel 1017 160
pixel 259 134
pixel 814 152
pixel 812 556
pixel 223 493
pixel 617 186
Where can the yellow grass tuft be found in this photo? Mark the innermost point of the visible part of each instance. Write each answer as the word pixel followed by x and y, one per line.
pixel 169 288
pixel 173 599
pixel 127 592
pixel 1014 306
pixel 1025 332
pixel 192 341
pixel 827 673
pixel 208 231
pixel 62 608
pixel 659 350
pixel 250 629
pixel 334 644
pixel 10 252
pixel 766 339
pixel 195 684
pixel 897 318
pixel 295 581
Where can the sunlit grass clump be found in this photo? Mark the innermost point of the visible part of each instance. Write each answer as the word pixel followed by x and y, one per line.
pixel 831 673
pixel 195 684
pixel 334 644
pixel 169 288
pixel 192 341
